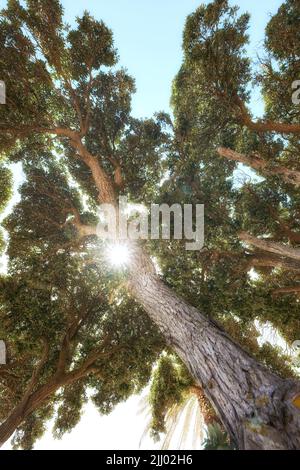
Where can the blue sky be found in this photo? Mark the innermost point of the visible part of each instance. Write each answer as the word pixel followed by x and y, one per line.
pixel 148 37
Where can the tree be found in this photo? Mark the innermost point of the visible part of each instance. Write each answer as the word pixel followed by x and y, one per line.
pixel 66 339
pixel 65 107
pixel 265 216
pixel 5 193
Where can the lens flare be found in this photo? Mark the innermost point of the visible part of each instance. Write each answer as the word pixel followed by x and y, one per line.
pixel 118 254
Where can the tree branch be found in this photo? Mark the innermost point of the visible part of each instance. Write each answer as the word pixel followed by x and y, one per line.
pixel 258 163
pixel 88 365
pixel 273 247
pixel 262 260
pixel 254 259
pixel 266 126
pixel 287 290
pixel 104 185
pixel 37 370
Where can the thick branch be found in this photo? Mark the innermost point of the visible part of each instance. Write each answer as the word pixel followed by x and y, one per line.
pixel 24 131
pixel 102 181
pixel 272 261
pixel 70 335
pixel 36 373
pixel 85 230
pixel 273 247
pixel 266 126
pixel 257 259
pixel 258 163
pixel 287 290
pixel 284 225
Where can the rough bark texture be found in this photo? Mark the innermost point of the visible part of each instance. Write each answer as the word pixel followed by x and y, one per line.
pixel 255 405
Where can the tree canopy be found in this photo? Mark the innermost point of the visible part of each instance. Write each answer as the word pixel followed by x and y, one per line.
pixel 72 328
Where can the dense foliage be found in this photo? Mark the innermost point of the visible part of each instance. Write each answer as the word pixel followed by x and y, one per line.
pixel 71 327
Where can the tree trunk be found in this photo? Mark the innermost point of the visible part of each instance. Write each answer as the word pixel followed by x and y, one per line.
pixel 257 407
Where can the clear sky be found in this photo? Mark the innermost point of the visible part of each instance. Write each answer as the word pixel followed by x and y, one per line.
pixel 148 37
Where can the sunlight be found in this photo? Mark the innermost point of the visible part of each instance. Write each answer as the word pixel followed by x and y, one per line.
pixel 118 254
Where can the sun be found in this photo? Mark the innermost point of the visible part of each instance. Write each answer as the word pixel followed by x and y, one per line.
pixel 118 254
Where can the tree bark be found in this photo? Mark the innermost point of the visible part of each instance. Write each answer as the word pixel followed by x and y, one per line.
pixel 27 405
pixel 258 163
pixel 287 290
pixel 10 425
pixel 245 118
pixel 270 246
pixel 257 407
